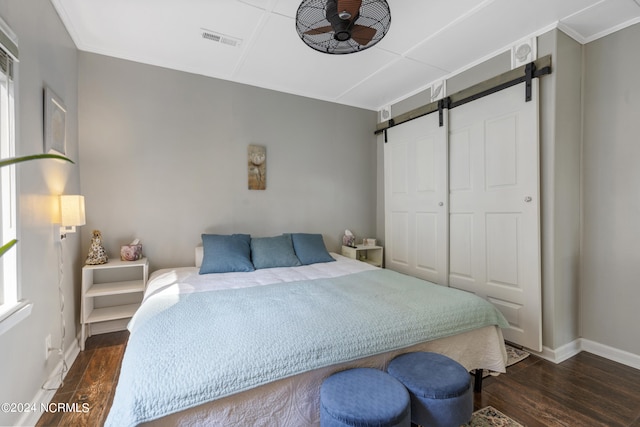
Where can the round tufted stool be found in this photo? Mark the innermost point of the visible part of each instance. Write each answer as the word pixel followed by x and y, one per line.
pixel 440 388
pixel 364 397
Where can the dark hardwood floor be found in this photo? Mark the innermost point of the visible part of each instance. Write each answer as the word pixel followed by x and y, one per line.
pixel 585 390
pixel 92 380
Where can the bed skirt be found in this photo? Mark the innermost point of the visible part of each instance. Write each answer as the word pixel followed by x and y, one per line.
pixel 295 401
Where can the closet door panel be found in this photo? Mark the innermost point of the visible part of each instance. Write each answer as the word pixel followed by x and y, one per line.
pixel 494 208
pixel 427 242
pixel 502 249
pixel 460 160
pixel 426 166
pixel 461 263
pixel 399 170
pixel 398 236
pixel 416 220
pixel 501 152
pixel 397 181
pixel 427 233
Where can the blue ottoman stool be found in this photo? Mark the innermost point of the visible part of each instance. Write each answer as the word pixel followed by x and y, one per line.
pixel 440 388
pixel 364 397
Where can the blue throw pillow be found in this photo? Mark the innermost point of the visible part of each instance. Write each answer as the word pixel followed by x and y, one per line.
pixel 269 252
pixel 226 253
pixel 310 248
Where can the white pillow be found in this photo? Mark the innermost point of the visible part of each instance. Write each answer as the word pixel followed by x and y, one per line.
pixel 199 255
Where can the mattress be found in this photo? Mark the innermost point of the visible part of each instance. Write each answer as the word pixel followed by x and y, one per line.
pixel 292 399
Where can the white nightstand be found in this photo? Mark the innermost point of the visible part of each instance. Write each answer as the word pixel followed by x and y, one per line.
pixel 91 290
pixel 369 254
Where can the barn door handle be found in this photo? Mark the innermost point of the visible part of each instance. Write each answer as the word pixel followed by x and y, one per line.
pixel 528 199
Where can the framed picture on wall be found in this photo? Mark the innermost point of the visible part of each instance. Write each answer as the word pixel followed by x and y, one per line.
pixel 55 123
pixel 257 160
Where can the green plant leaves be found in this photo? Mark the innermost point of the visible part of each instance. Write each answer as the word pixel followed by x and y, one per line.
pixel 7 246
pixel 12 160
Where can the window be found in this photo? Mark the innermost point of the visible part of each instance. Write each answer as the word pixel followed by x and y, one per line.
pixel 7 179
pixel 11 309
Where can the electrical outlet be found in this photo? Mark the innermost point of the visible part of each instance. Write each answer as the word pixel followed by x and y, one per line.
pixel 47 347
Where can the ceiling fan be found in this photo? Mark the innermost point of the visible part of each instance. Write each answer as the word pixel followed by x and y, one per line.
pixel 342 26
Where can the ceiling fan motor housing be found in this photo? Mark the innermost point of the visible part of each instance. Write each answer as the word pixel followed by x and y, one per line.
pixel 342 36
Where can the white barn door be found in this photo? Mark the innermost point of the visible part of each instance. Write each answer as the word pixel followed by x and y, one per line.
pixel 494 222
pixel 416 215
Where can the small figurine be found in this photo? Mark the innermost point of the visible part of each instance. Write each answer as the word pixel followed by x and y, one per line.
pixel 97 254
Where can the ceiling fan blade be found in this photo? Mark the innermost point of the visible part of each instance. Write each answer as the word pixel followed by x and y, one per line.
pixel 319 30
pixel 352 7
pixel 362 35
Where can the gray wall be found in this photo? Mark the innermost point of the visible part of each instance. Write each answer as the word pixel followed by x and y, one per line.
pixel 560 144
pixel 163 158
pixel 561 126
pixel 47 56
pixel 610 267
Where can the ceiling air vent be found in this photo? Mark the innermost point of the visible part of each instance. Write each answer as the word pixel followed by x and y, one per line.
pixel 220 38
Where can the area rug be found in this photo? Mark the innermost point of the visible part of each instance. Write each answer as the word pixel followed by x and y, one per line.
pixel 515 355
pixel 491 417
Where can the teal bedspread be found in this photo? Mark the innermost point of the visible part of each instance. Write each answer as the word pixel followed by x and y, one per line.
pixel 190 349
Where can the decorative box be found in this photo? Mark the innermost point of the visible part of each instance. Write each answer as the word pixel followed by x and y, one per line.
pixel 369 242
pixel 131 252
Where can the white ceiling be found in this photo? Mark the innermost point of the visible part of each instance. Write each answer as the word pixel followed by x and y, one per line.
pixel 428 40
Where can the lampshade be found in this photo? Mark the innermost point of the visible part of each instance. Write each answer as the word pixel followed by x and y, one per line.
pixel 72 210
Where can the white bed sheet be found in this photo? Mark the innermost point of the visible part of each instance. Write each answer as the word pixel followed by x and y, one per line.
pixel 184 280
pixel 294 401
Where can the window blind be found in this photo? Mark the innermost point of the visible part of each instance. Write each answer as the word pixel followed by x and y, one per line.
pixel 6 64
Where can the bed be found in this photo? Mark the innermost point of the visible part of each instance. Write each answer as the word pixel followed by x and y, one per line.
pixel 253 347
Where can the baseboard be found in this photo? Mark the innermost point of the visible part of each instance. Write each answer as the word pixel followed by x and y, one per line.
pixel 611 353
pixel 109 326
pixel 561 353
pixel 569 350
pixel 43 397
